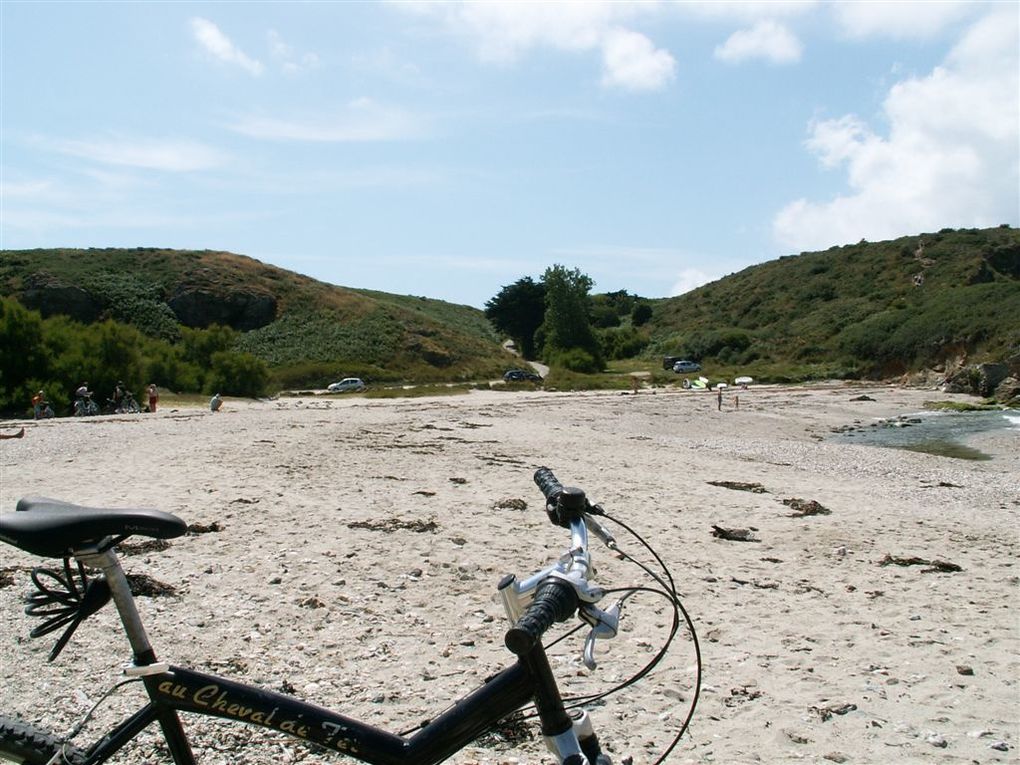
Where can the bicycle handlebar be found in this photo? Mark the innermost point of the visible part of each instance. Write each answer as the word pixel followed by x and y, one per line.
pixel 555 601
pixel 547 482
pixel 557 595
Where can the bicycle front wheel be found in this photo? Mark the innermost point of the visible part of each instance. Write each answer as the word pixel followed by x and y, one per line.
pixel 25 744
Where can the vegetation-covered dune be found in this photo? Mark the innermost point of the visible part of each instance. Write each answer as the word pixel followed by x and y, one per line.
pixel 204 320
pixel 304 329
pixel 871 309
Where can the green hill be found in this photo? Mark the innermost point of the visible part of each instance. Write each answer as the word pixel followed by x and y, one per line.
pixel 306 330
pixel 871 309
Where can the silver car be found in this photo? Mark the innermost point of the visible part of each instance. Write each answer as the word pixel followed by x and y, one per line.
pixel 682 367
pixel 347 385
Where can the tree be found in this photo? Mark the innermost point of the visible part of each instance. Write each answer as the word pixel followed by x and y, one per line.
pixel 237 374
pixel 567 326
pixel 200 344
pixel 604 314
pixel 641 314
pixel 23 358
pixel 518 311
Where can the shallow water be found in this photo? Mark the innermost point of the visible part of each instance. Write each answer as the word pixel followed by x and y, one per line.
pixel 940 433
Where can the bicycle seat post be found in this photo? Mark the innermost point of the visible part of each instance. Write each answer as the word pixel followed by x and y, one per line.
pixel 104 558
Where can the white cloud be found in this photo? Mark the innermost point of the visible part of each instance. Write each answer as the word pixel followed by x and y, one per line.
pixel 501 32
pixel 766 40
pixel 386 63
pixel 290 60
pixel 49 220
pixel 221 47
pixel 167 155
pixel 361 120
pixel 690 279
pixel 632 61
pixel 24 189
pixel 950 157
pixel 899 19
pixel 744 11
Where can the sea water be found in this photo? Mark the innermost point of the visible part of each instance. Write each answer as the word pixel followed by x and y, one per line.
pixel 941 433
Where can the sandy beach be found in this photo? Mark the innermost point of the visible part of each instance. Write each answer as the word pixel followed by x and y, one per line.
pixel 359 543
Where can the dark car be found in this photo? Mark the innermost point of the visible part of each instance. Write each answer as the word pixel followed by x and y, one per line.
pixel 520 375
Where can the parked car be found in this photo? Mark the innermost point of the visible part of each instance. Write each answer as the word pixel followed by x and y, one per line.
pixel 520 375
pixel 683 367
pixel 347 385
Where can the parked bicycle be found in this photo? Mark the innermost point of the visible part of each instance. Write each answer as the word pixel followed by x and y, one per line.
pixel 126 405
pixel 86 539
pixel 85 406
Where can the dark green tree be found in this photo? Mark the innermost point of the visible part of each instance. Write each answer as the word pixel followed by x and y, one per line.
pixel 641 314
pixel 604 314
pixel 569 338
pixel 23 358
pixel 200 344
pixel 165 365
pixel 237 374
pixel 517 311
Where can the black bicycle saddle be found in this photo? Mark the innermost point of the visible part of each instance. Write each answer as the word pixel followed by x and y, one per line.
pixel 53 528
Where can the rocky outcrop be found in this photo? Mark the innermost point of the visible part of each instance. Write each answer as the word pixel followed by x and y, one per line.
pixel 193 307
pixel 50 299
pixel 977 379
pixel 243 311
pixel 1008 392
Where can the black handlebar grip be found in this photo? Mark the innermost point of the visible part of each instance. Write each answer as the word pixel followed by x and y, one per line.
pixel 547 482
pixel 555 601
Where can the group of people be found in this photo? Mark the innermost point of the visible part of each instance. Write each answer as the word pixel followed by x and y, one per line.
pixel 121 401
pixel 83 403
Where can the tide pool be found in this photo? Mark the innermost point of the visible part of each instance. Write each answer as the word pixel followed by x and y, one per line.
pixel 941 433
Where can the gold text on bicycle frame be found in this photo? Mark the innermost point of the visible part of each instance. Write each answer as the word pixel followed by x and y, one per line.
pixel 212 698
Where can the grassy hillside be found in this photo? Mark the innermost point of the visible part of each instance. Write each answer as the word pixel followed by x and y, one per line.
pixel 872 309
pixel 869 309
pixel 307 330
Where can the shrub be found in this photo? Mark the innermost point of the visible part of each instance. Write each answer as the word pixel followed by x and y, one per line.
pixel 576 360
pixel 237 374
pixel 641 314
pixel 621 342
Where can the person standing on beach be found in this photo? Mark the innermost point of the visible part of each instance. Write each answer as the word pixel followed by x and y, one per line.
pixel 118 394
pixel 153 393
pixel 38 403
pixel 718 398
pixel 215 403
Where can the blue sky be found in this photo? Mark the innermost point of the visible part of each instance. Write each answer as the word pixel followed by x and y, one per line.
pixel 448 149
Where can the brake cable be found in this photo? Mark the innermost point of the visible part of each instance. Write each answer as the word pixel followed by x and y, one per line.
pixel 668 592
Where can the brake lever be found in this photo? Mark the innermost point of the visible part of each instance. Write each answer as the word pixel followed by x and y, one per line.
pixel 604 624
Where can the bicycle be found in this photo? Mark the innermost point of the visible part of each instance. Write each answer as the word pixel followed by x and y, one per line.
pixel 126 405
pixel 89 536
pixel 84 406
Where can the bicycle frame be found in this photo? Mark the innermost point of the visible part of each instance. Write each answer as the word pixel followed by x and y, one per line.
pixel 174 689
pixel 184 690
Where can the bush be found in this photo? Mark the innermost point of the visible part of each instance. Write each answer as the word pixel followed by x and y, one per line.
pixel 24 359
pixel 576 360
pixel 641 314
pixel 237 374
pixel 622 342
